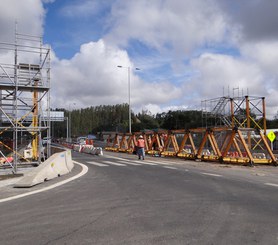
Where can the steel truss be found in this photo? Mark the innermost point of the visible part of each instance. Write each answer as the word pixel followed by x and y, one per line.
pixel 222 144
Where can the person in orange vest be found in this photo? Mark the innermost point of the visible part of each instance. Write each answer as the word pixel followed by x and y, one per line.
pixel 141 147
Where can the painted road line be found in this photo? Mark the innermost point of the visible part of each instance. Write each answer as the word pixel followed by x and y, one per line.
pixel 115 163
pixel 168 167
pixel 119 158
pixel 98 164
pixel 159 162
pixel 130 163
pixel 215 175
pixel 146 163
pixel 271 184
pixel 83 172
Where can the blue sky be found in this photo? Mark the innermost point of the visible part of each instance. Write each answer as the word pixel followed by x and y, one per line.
pixel 187 51
pixel 66 29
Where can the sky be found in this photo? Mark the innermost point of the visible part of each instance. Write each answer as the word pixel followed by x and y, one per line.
pixel 186 51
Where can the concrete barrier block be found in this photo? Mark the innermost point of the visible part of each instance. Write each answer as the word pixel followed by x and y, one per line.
pixel 87 148
pixel 99 151
pixel 56 165
pixel 76 147
pixel 93 151
pixel 96 151
pixel 69 161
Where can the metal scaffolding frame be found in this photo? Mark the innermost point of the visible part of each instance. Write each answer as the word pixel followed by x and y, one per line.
pixel 242 112
pixel 245 112
pixel 24 95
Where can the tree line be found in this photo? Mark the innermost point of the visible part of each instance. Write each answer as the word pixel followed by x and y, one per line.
pixel 93 120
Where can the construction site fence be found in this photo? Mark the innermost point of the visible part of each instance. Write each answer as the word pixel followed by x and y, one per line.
pixel 245 146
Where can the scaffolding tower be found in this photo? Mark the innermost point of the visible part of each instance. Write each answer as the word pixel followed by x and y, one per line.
pixel 246 113
pixel 24 99
pixel 241 112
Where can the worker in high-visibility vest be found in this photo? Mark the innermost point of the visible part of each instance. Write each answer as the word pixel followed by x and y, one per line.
pixel 141 147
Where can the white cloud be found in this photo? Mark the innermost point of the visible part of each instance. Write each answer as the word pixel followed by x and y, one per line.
pixel 264 53
pixel 218 72
pixel 92 77
pixel 257 19
pixel 171 24
pixel 178 31
pixel 48 1
pixel 82 8
pixel 29 21
pixel 154 108
pixel 29 15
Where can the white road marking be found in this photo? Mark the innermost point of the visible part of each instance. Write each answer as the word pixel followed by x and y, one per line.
pixel 115 163
pixel 215 175
pixel 98 164
pixel 146 163
pixel 271 184
pixel 130 163
pixel 169 167
pixel 159 162
pixel 84 171
pixel 149 162
pixel 120 158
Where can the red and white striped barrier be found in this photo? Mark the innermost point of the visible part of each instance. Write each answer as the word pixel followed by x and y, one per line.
pixel 89 149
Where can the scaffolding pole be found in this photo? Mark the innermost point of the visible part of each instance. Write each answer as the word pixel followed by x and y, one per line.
pixel 24 96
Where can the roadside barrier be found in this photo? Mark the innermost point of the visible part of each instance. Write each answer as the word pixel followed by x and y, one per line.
pixel 56 165
pixel 219 144
pixel 89 149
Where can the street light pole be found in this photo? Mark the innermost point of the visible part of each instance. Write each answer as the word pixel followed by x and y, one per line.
pixel 129 102
pixel 129 107
pixel 69 122
pixel 67 118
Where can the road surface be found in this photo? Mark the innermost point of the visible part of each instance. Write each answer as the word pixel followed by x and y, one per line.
pixel 121 200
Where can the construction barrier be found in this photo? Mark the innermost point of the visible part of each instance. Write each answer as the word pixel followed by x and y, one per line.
pixel 89 149
pixel 56 165
pixel 219 144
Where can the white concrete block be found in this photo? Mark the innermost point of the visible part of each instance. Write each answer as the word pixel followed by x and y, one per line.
pixel 56 165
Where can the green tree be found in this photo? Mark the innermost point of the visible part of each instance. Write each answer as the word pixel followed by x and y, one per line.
pixel 143 121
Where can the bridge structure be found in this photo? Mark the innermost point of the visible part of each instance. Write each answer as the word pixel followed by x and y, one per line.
pixel 218 144
pixel 234 132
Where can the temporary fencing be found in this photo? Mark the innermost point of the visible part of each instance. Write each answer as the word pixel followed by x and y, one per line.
pixel 220 144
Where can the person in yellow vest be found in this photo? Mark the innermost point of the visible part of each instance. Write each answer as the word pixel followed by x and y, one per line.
pixel 141 148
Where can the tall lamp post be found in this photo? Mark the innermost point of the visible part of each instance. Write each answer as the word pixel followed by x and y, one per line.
pixel 129 105
pixel 69 122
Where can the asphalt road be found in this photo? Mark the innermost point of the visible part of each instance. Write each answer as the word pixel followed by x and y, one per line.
pixel 121 200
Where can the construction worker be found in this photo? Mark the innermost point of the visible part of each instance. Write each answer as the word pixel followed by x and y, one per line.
pixel 141 147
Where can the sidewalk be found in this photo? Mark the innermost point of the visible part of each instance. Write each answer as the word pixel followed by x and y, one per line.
pixel 7 183
pixel 8 178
